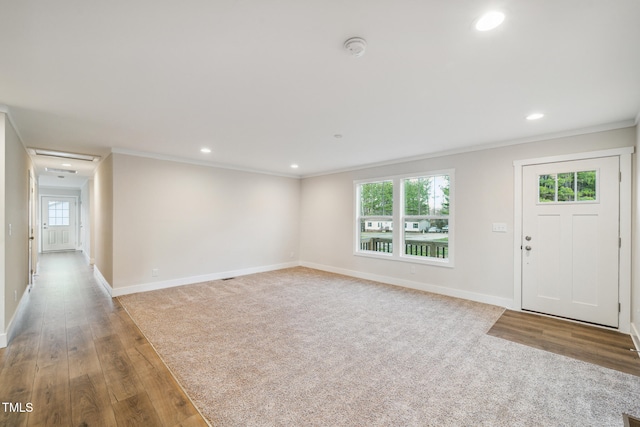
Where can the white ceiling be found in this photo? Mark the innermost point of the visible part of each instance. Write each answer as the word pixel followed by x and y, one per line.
pixel 266 84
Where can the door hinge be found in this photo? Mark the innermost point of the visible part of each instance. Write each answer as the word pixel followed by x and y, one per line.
pixel 620 176
pixel 619 308
pixel 619 242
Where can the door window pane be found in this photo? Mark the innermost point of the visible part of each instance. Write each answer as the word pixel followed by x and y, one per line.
pixel 586 185
pixel 565 187
pixel 547 188
pixel 568 187
pixel 58 213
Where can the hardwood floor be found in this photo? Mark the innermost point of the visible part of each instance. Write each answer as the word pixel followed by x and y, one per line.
pixel 591 344
pixel 77 359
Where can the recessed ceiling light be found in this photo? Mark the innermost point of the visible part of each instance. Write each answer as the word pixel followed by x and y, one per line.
pixel 489 21
pixel 337 135
pixel 294 166
pixel 66 165
pixel 535 116
pixel 205 150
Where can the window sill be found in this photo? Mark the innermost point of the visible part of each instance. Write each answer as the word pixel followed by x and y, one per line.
pixel 437 262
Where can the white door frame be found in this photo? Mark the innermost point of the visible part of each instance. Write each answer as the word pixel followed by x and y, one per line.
pixel 624 266
pixel 76 226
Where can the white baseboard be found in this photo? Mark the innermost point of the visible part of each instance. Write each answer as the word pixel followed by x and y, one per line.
pixel 90 261
pixel 635 335
pixel 153 286
pixel 442 290
pixel 6 336
pixel 100 278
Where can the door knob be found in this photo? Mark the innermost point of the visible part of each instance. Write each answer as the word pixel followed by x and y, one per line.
pixel 528 238
pixel 528 248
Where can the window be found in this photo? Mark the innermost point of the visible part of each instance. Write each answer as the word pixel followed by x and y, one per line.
pixel 426 208
pixel 375 216
pixel 422 204
pixel 58 213
pixel 568 187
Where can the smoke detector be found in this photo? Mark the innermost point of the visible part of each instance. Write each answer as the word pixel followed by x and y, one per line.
pixel 356 46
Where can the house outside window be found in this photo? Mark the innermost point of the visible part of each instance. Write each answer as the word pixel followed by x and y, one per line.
pixel 422 204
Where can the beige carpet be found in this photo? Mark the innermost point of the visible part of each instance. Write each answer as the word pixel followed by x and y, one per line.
pixel 301 347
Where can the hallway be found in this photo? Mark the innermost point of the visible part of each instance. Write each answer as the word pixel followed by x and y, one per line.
pixel 77 359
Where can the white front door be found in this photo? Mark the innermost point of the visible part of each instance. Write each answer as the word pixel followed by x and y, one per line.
pixel 570 241
pixel 58 223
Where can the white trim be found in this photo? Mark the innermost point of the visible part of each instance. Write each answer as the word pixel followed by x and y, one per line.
pixel 488 146
pixel 167 158
pixel 8 335
pixel 635 336
pixel 101 279
pixel 154 286
pixel 85 254
pixel 624 296
pixel 426 287
pixel 577 156
pixel 78 245
pixel 397 218
pixel 5 109
pixel 625 232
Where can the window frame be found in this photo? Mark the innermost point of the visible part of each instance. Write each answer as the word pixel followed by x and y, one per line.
pixel 398 220
pixel 569 202
pixel 373 218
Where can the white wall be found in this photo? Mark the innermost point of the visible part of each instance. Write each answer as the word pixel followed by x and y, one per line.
pixel 194 222
pixel 484 194
pixel 102 219
pixel 86 221
pixel 15 166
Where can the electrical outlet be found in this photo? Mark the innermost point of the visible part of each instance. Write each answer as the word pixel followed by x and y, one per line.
pixel 15 295
pixel 412 270
pixel 499 227
pixel 154 272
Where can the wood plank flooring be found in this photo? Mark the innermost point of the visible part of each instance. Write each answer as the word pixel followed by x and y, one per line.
pixel 591 344
pixel 79 360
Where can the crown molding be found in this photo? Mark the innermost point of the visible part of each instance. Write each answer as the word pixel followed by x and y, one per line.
pixel 177 159
pixel 488 146
pixel 5 109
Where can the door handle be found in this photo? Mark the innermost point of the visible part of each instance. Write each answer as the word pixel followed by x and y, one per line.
pixel 31 238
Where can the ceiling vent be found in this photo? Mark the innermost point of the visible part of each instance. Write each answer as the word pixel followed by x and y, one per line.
pixel 63 155
pixel 356 46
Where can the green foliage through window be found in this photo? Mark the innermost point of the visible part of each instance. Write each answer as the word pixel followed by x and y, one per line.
pixel 567 187
pixel 376 198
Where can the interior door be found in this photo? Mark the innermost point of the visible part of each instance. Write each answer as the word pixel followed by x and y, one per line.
pixel 570 242
pixel 58 224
